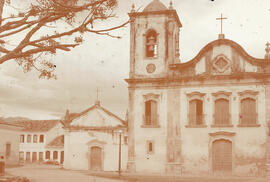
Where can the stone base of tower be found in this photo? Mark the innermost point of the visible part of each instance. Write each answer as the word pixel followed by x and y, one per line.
pixel 174 168
pixel 131 167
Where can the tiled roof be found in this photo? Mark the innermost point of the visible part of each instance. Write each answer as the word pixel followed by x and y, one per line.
pixel 11 125
pixel 38 125
pixel 57 142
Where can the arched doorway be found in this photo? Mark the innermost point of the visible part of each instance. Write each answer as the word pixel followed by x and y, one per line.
pixel 96 158
pixel 222 156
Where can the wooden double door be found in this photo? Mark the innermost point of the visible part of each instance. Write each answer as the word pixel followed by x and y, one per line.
pixel 222 156
pixel 96 158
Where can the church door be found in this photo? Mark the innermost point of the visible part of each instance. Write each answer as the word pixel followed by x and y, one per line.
pixel 222 156
pixel 96 158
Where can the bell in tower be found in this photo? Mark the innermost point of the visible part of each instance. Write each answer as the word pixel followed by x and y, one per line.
pixel 154 45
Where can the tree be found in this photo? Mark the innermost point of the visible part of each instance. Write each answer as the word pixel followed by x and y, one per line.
pixel 33 50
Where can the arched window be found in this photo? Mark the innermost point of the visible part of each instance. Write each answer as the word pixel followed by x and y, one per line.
pixel 47 155
pixel 195 112
pixel 248 114
pixel 222 113
pixel 150 112
pixel 151 44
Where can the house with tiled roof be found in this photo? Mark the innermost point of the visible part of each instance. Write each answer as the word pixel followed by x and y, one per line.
pixel 95 139
pixel 41 140
pixel 9 143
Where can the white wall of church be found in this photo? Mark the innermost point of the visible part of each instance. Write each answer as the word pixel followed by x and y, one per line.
pixel 248 141
pixel 78 146
pixel 144 161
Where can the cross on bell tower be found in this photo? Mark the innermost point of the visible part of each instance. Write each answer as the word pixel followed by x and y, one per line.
pixel 221 35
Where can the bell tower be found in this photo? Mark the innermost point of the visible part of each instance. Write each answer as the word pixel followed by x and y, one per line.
pixel 154 133
pixel 154 40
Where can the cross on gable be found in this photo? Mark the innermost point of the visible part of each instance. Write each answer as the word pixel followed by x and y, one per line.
pixel 97 93
pixel 221 22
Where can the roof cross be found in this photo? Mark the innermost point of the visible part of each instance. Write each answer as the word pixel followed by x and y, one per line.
pixel 97 93
pixel 221 22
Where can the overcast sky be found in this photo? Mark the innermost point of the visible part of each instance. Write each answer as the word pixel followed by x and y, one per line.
pixel 103 62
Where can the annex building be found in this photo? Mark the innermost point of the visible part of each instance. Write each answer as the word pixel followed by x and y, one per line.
pixel 207 115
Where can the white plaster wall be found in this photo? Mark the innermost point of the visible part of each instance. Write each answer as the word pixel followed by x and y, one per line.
pixel 249 141
pixel 77 151
pixel 11 136
pixel 144 161
pixel 200 66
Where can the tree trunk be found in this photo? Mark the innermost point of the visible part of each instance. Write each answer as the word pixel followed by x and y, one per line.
pixel 2 2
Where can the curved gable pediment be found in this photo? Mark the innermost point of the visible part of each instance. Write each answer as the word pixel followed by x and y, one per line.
pixel 221 57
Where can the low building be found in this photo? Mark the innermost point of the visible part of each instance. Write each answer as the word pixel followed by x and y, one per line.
pixel 95 140
pixel 42 140
pixel 9 143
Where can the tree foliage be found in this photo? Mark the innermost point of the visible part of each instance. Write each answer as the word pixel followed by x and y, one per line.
pixel 65 22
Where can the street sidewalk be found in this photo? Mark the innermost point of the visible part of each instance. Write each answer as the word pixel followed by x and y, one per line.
pixel 139 177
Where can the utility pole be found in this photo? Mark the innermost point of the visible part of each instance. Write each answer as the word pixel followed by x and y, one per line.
pixel 120 143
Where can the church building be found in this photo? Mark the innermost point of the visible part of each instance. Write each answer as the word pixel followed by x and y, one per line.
pixel 95 140
pixel 208 115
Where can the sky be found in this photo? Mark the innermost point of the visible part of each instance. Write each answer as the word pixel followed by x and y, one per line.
pixel 103 62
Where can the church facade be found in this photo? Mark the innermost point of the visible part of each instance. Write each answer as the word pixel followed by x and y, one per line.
pixel 208 115
pixel 95 140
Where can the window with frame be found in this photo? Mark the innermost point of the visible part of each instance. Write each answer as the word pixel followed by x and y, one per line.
pixel 151 44
pixel 150 112
pixel 150 147
pixel 222 114
pixel 41 138
pixel 195 112
pixel 35 138
pixel 22 138
pixel 29 138
pixel 8 149
pixel 248 115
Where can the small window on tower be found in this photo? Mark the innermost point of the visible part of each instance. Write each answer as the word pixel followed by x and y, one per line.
pixel 151 44
pixel 150 147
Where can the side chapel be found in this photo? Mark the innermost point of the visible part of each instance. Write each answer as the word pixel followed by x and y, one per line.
pixel 207 115
pixel 95 140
